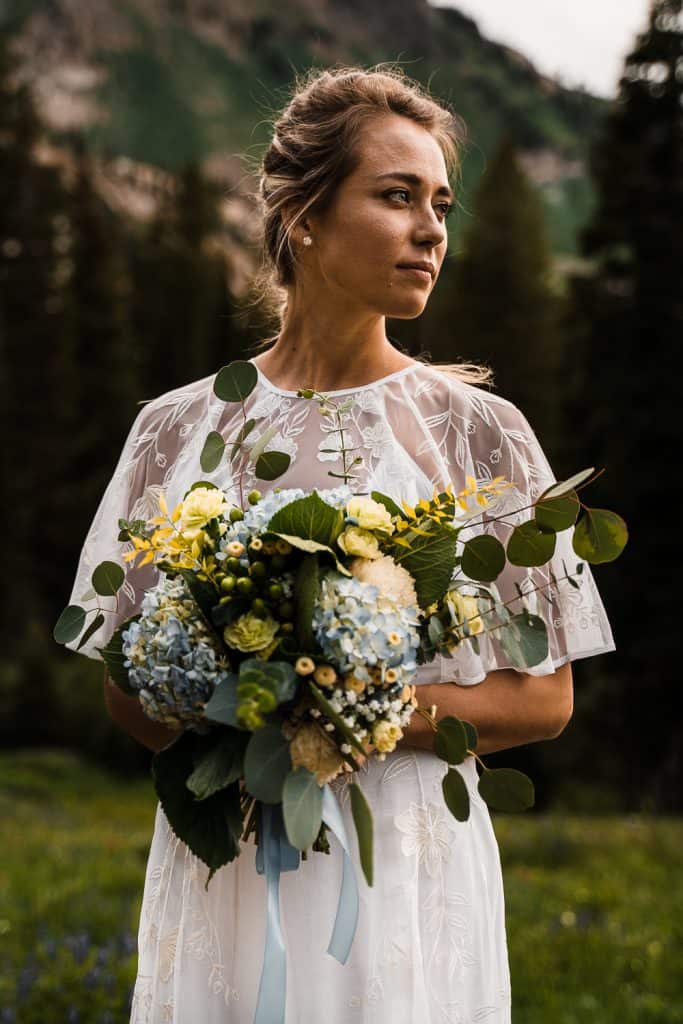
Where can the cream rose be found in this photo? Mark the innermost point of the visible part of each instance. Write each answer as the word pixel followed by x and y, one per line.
pixel 201 505
pixel 371 514
pixel 313 749
pixel 356 541
pixel 250 633
pixel 466 607
pixel 385 736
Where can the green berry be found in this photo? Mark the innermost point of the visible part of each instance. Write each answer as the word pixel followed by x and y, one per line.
pixel 253 497
pixel 259 606
pixel 258 570
pixel 286 609
pixel 275 591
pixel 244 585
pixel 235 514
pixel 228 584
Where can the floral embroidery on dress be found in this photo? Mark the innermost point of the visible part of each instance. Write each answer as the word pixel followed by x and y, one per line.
pixel 427 835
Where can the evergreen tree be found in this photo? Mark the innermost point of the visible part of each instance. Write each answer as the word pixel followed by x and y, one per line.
pixel 629 318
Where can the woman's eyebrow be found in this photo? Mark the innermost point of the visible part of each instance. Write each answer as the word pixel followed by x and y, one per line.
pixel 415 179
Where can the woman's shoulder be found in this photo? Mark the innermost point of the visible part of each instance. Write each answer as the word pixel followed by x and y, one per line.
pixel 448 386
pixel 169 406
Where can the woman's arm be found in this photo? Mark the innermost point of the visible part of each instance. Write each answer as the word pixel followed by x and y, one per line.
pixel 508 708
pixel 127 712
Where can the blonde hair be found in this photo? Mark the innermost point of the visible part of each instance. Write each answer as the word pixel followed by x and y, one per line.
pixel 313 149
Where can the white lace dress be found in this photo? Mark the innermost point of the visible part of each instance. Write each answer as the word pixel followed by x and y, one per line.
pixel 430 944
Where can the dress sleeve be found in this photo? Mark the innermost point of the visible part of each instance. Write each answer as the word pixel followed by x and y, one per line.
pixel 505 444
pixel 132 493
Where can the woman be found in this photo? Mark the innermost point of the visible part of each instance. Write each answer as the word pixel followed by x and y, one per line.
pixel 355 192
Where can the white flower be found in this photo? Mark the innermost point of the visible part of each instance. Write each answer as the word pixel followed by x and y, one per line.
pixel 388 576
pixel 426 834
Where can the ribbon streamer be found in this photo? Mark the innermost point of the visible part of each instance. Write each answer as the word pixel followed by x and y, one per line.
pixel 275 854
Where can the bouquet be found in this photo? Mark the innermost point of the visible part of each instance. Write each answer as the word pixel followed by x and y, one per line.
pixel 285 631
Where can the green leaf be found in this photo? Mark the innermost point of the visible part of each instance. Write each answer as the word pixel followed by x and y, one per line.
pixel 450 740
pixel 302 802
pixel 389 504
pixel 530 546
pixel 563 486
pixel 266 763
pixel 222 705
pixel 107 578
pixel 330 713
pixel 309 518
pixel 242 433
pixel 505 789
pixel 211 828
pixel 218 766
pixel 455 794
pixel 525 640
pixel 92 628
pixel 472 735
pixel 69 624
pixel 236 381
pixel 362 819
pixel 313 547
pixel 271 465
pixel 212 452
pixel 556 514
pixel 430 559
pixel 483 557
pixel 305 593
pixel 278 676
pixel 600 535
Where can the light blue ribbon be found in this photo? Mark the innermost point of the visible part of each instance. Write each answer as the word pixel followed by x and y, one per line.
pixel 275 854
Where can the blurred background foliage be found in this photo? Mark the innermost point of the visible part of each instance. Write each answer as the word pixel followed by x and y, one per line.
pixel 127 245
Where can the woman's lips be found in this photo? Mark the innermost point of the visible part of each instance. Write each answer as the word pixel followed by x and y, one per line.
pixel 419 275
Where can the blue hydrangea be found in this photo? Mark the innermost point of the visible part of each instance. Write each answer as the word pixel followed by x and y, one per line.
pixel 173 659
pixel 352 622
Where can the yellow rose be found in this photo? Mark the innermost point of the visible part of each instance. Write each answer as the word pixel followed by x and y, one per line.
pixel 312 748
pixel 371 514
pixel 355 541
pixel 466 607
pixel 201 505
pixel 249 633
pixel 385 736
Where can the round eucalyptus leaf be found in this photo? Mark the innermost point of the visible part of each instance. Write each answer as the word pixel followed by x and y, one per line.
pixel 600 535
pixel 212 452
pixel 556 514
pixel 562 486
pixel 107 577
pixel 472 735
pixel 506 789
pixel 69 624
pixel 271 465
pixel 302 806
pixel 450 740
pixel 530 546
pixel 266 763
pixel 236 381
pixel 455 794
pixel 483 557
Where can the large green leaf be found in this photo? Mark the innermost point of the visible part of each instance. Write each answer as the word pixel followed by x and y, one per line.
pixel 600 535
pixel 506 789
pixel 266 763
pixel 219 765
pixel 525 640
pixel 302 802
pixel 107 578
pixel 212 452
pixel 314 547
pixel 310 518
pixel 450 740
pixel 362 819
pixel 528 545
pixel 305 596
pixel 236 381
pixel 69 624
pixel 211 828
pixel 455 794
pixel 483 557
pixel 430 559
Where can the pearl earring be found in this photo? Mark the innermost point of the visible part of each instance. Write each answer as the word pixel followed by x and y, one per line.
pixel 308 240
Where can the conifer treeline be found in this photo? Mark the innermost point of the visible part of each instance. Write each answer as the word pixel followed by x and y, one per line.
pixel 97 313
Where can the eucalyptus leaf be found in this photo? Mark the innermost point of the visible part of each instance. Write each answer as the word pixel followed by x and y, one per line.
pixel 483 557
pixel 563 486
pixel 506 789
pixel 236 381
pixel 528 545
pixel 278 676
pixel 600 535
pixel 69 624
pixel 271 465
pixel 302 802
pixel 92 628
pixel 107 578
pixel 212 452
pixel 261 441
pixel 455 794
pixel 113 657
pixel 211 828
pixel 556 514
pixel 472 735
pixel 242 433
pixel 450 740
pixel 222 705
pixel 525 640
pixel 362 819
pixel 266 763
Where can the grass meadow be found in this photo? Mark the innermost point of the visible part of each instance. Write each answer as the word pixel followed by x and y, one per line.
pixel 594 905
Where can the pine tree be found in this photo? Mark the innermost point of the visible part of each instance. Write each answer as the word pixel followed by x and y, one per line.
pixel 629 313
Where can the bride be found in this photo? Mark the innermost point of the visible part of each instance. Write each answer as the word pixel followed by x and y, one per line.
pixel 354 193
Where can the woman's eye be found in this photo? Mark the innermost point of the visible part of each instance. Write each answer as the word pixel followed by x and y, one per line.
pixel 447 207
